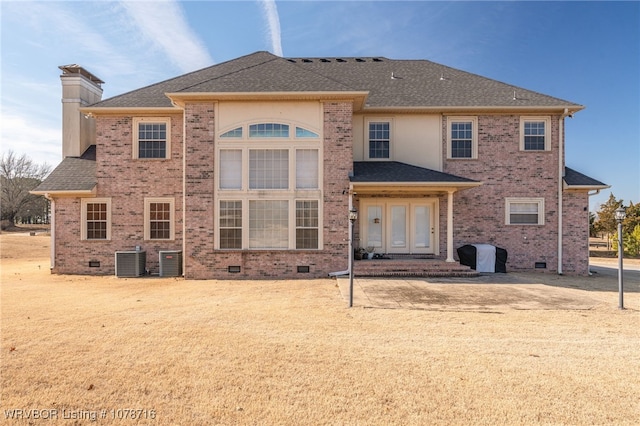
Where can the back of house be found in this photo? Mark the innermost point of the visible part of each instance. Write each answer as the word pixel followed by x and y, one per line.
pixel 249 169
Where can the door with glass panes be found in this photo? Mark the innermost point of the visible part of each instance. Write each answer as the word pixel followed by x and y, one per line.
pixel 399 226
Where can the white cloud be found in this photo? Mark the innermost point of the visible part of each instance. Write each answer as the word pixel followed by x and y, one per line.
pixel 41 143
pixel 164 24
pixel 271 15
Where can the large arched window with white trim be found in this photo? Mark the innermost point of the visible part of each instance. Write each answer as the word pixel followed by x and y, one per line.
pixel 268 187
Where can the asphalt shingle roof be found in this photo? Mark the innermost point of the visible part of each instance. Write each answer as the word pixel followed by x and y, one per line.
pixel 72 174
pixel 574 178
pixel 394 171
pixel 390 83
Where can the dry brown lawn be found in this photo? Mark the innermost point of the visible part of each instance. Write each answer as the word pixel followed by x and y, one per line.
pixel 291 352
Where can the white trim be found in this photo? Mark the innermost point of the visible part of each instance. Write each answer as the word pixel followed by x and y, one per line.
pixel 474 136
pixel 83 217
pixel 547 131
pixel 134 132
pixel 147 217
pixel 519 200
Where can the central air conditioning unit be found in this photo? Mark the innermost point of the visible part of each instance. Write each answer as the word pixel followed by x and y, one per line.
pixel 131 263
pixel 170 263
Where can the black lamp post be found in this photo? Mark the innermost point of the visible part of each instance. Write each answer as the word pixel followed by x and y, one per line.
pixel 620 215
pixel 353 216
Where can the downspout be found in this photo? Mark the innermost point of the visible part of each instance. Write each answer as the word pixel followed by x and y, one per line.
pixel 560 185
pixel 348 270
pixel 52 231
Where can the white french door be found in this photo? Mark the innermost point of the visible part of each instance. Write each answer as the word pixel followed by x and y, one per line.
pixel 400 226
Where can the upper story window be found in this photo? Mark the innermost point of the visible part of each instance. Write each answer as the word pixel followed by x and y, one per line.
pixel 269 130
pixel 534 134
pixel 379 139
pixel 96 219
pixel 235 133
pixel 463 137
pixel 304 133
pixel 268 169
pixel 524 211
pixel 151 138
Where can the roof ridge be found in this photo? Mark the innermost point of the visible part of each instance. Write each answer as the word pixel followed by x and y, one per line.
pixel 273 58
pixel 182 76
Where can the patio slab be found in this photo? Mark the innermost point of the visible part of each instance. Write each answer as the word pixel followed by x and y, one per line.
pixel 486 293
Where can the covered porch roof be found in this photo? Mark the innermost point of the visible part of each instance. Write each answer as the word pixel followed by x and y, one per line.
pixel 381 177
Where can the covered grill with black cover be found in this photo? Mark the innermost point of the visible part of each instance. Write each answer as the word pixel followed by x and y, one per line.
pixel 483 257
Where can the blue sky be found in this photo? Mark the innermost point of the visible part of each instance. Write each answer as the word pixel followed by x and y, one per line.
pixel 584 52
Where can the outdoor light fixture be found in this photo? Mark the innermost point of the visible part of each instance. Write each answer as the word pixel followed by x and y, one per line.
pixel 353 216
pixel 620 214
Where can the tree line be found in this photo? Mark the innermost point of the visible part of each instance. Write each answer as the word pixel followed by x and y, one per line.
pixel 18 176
pixel 604 223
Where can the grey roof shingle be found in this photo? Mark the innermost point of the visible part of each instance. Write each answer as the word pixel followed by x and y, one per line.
pixel 415 83
pixel 575 178
pixel 394 171
pixel 72 174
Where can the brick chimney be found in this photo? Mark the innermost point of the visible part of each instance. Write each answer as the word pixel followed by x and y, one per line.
pixel 79 88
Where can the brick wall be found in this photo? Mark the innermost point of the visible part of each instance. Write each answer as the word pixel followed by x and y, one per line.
pixel 575 227
pixel 127 182
pixel 199 186
pixel 479 213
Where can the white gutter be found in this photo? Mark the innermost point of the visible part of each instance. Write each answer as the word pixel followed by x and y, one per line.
pixel 348 270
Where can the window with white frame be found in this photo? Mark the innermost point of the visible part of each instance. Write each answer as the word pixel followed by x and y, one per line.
pixel 534 133
pixel 159 218
pixel 306 168
pixel 151 138
pixel 230 214
pixel 463 137
pixel 230 169
pixel 268 169
pixel 524 211
pixel 307 224
pixel 268 224
pixel 96 219
pixel 269 179
pixel 379 137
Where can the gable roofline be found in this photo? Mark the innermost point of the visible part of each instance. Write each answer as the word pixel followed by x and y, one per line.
pixel 390 84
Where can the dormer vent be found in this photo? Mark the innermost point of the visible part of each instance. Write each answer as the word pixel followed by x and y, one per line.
pixel 360 60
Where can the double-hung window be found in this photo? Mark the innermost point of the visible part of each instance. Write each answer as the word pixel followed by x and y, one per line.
pixel 379 135
pixel 96 219
pixel 524 211
pixel 534 134
pixel 159 218
pixel 230 224
pixel 269 194
pixel 151 138
pixel 463 137
pixel 307 224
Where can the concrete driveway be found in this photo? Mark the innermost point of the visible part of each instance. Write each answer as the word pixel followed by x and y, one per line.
pixel 492 292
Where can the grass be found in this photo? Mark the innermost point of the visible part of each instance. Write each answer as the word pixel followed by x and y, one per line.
pixel 290 352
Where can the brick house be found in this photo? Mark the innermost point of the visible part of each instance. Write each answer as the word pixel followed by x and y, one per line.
pixel 249 168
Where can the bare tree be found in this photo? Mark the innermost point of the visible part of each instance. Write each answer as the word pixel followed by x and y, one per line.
pixel 18 176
